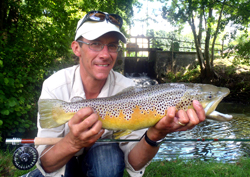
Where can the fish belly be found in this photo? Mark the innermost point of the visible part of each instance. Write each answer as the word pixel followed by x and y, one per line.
pixel 137 120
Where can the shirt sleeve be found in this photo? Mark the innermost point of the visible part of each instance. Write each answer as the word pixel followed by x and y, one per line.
pixel 127 147
pixel 53 132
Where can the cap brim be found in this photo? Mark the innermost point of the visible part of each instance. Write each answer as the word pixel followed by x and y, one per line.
pixel 94 34
pixel 93 30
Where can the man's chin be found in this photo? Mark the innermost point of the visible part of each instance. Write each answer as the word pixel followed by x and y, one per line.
pixel 101 76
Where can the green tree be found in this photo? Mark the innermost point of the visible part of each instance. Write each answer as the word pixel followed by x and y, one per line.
pixel 35 38
pixel 165 40
pixel 212 17
pixel 241 49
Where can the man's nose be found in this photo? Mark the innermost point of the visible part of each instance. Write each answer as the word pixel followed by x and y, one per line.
pixel 105 52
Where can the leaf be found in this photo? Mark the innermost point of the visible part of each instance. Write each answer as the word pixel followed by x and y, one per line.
pixel 12 103
pixel 5 112
pixel 21 130
pixel 21 100
pixel 11 81
pixel 1 122
pixel 1 92
pixel 6 81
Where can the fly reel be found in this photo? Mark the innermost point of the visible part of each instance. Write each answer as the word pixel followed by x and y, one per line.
pixel 25 157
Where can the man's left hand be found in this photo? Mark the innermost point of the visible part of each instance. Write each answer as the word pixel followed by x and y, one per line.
pixel 177 121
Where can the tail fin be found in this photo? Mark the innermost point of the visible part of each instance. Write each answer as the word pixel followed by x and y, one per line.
pixel 51 113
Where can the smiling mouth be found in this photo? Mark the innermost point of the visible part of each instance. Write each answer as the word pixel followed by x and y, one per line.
pixel 103 65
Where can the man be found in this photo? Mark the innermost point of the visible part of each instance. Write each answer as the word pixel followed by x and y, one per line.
pixel 77 154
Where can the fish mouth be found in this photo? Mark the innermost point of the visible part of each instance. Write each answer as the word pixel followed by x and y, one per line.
pixel 210 106
pixel 215 115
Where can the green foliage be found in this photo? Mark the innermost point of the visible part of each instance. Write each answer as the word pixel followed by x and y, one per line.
pixel 165 40
pixel 212 18
pixel 239 49
pixel 29 46
pixel 186 75
pixel 35 39
pixel 242 49
pixel 6 165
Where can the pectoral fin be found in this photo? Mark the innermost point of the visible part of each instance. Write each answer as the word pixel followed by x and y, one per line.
pixel 119 134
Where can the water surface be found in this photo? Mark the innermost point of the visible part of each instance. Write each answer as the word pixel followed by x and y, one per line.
pixel 225 151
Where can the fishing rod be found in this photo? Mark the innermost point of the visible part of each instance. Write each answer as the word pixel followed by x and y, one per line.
pixel 52 141
pixel 26 156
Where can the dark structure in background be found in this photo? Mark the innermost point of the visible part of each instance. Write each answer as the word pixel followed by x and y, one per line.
pixel 158 62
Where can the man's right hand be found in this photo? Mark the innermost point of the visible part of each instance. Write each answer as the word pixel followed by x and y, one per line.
pixel 85 129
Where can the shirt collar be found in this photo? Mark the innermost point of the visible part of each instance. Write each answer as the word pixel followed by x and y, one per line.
pixel 78 90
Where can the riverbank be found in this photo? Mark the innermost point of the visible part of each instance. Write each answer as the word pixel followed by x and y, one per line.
pixel 230 73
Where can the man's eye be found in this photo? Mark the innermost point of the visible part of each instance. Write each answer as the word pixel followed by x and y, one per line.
pixel 113 46
pixel 96 44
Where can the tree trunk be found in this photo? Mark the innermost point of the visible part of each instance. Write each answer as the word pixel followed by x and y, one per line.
pixel 197 45
pixel 209 73
pixel 216 33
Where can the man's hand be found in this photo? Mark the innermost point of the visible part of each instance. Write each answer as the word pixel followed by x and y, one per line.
pixel 85 129
pixel 177 121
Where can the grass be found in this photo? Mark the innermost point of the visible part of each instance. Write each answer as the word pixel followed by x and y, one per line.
pixel 196 168
pixel 177 167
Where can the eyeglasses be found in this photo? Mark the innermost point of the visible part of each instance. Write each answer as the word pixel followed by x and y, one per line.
pixel 98 46
pixel 99 16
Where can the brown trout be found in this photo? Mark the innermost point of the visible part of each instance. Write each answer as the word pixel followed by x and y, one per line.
pixel 137 107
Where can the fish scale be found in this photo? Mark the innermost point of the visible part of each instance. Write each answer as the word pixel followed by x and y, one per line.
pixel 135 107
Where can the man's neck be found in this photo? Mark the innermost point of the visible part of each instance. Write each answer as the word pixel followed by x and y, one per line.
pixel 92 88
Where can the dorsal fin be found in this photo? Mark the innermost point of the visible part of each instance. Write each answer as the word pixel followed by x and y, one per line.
pixel 77 99
pixel 129 89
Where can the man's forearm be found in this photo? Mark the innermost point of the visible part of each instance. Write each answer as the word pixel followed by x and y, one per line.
pixel 56 157
pixel 141 154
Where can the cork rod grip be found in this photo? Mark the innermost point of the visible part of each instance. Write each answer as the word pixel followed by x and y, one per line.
pixel 46 141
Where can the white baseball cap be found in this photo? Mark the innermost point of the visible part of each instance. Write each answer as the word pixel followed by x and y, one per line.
pixel 92 30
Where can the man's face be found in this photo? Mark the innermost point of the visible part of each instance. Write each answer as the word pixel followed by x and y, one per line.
pixel 97 64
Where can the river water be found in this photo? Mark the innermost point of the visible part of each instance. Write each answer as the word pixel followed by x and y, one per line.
pixel 225 151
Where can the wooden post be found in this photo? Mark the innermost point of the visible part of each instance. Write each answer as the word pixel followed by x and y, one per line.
pixel 172 57
pixel 222 47
pixel 136 50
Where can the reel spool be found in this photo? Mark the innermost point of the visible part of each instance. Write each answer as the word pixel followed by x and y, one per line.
pixel 25 157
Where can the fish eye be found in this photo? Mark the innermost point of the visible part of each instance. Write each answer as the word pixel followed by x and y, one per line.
pixel 210 96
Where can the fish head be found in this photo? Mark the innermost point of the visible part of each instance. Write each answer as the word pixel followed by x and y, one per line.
pixel 211 96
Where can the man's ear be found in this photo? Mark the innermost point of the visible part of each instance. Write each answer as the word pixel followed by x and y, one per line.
pixel 76 48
